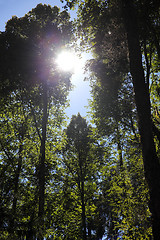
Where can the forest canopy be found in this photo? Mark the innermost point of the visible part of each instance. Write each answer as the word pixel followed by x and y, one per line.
pixel 86 178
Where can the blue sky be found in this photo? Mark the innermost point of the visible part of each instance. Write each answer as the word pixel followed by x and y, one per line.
pixel 80 94
pixel 9 8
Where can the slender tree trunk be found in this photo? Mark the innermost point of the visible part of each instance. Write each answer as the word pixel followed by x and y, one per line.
pixel 119 147
pixel 81 186
pixel 150 159
pixel 42 170
pixel 30 235
pixel 89 230
pixel 16 184
pixel 83 212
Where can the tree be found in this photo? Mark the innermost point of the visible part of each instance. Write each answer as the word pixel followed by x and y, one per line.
pixel 29 72
pixel 125 28
pixel 151 161
pixel 82 156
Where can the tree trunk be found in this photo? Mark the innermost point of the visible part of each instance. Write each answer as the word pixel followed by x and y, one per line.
pixel 30 235
pixel 16 183
pixel 119 147
pixel 42 170
pixel 83 212
pixel 150 159
pixel 81 188
pixel 89 230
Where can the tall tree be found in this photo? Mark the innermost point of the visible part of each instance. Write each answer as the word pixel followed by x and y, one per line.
pixel 151 161
pixel 82 157
pixel 116 31
pixel 78 138
pixel 30 45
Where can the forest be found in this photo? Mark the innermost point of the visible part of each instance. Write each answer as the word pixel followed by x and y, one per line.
pixel 95 178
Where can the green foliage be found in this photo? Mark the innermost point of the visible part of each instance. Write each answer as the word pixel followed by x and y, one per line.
pixel 34 94
pixel 81 182
pixel 83 160
pixel 113 109
pixel 30 45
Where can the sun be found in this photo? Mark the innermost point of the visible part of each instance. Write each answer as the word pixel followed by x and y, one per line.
pixel 68 61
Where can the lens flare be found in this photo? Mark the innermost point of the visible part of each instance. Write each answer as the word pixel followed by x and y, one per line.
pixel 68 61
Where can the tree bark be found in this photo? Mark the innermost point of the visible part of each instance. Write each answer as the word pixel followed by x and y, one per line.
pixel 81 186
pixel 83 212
pixel 119 147
pixel 42 170
pixel 16 183
pixel 150 159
